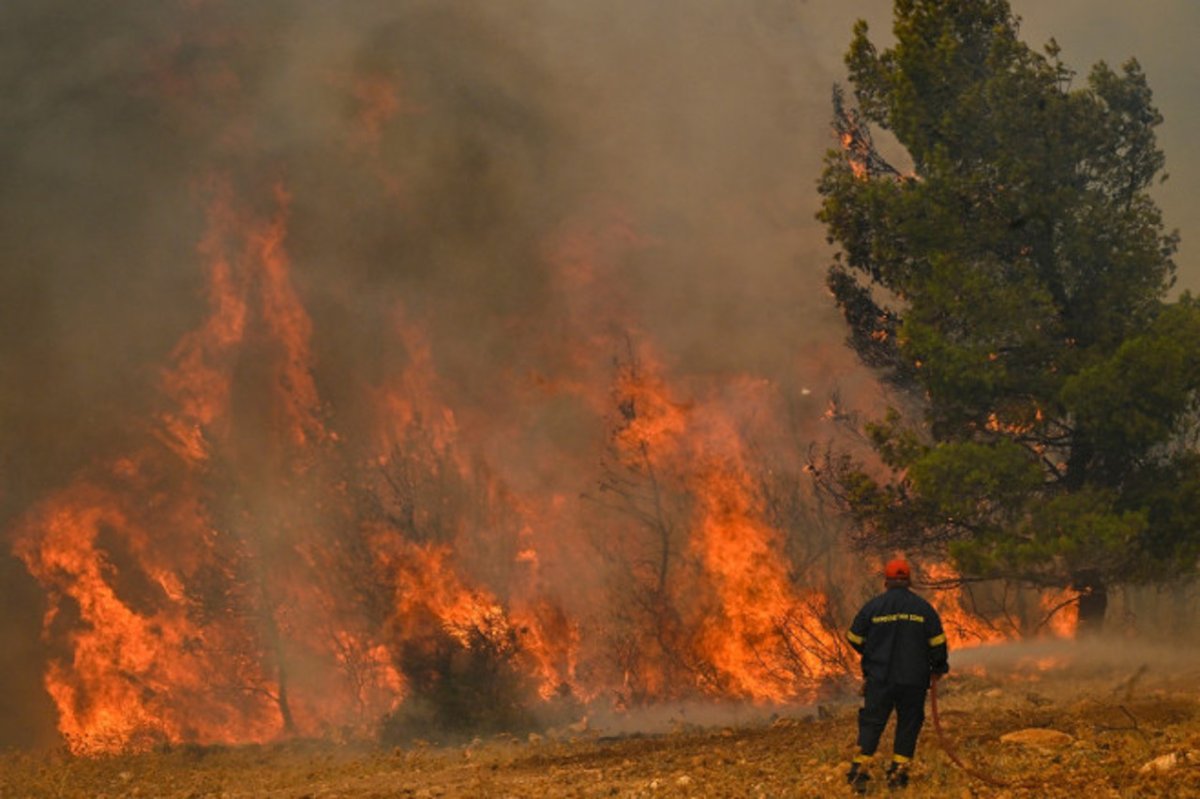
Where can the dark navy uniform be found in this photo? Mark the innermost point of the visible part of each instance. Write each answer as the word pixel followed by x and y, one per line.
pixel 901 640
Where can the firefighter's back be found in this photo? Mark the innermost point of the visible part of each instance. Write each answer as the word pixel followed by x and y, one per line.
pixel 896 649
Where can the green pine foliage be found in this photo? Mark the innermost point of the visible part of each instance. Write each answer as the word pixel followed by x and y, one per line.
pixel 1012 278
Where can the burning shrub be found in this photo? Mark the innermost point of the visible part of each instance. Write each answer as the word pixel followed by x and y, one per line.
pixel 462 682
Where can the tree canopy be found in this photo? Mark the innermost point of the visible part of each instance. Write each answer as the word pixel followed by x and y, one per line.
pixel 1009 272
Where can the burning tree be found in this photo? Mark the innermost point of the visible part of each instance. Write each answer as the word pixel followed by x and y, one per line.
pixel 650 565
pixel 1011 285
pixel 709 600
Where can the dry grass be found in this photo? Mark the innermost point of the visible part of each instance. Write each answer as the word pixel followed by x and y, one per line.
pixel 1118 720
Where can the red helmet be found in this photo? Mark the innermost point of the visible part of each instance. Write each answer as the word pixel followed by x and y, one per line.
pixel 897 569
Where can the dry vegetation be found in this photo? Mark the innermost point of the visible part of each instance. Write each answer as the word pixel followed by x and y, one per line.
pixel 1133 732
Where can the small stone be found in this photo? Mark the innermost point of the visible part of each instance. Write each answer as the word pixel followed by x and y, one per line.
pixel 1165 763
pixel 684 781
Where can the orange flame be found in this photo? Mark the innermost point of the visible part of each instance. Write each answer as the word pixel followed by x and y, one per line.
pixel 138 669
pixel 151 649
pixel 1061 610
pixel 964 628
pixel 741 558
pixel 740 637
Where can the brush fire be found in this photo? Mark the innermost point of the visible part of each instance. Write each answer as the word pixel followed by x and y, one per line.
pixel 247 572
pixel 426 458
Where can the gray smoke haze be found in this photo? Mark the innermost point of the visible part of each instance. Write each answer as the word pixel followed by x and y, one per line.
pixel 701 122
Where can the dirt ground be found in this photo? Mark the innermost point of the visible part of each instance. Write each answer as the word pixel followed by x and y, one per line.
pixel 1122 732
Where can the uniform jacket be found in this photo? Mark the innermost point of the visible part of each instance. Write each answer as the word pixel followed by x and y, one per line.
pixel 900 638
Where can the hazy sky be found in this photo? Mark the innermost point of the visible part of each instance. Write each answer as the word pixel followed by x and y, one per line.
pixel 1161 34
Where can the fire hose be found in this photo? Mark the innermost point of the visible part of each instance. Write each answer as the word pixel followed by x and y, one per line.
pixel 944 742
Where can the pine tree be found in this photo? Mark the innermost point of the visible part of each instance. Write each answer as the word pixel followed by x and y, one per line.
pixel 1012 281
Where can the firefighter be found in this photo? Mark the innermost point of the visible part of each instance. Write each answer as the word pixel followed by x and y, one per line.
pixel 903 647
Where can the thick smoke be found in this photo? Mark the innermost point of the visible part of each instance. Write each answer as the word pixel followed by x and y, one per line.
pixel 431 150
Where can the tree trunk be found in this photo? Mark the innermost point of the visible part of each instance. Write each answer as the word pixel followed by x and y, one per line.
pixel 1093 603
pixel 281 698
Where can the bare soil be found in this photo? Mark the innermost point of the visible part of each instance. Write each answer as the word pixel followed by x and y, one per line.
pixel 1132 733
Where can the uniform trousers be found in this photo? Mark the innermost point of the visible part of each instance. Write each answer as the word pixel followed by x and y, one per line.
pixel 881 699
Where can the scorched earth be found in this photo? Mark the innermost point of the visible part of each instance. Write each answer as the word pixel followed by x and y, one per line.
pixel 1121 732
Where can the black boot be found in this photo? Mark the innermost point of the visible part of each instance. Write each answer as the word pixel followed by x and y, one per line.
pixel 858 778
pixel 897 776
